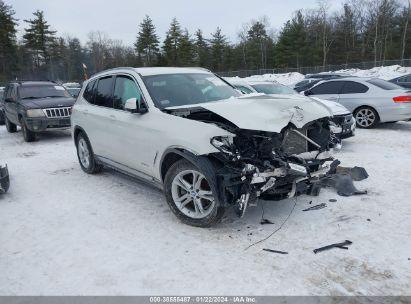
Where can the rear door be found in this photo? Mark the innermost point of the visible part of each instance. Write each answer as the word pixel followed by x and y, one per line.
pixel 99 115
pixel 329 90
pixel 353 94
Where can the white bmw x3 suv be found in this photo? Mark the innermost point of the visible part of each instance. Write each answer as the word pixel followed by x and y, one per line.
pixel 195 136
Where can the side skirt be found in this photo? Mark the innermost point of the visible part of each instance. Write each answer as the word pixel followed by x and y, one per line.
pixel 147 179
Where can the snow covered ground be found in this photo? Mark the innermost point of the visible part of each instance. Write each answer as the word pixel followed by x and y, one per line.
pixel 64 232
pixel 383 72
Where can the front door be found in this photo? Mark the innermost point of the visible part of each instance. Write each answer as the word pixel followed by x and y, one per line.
pixel 134 135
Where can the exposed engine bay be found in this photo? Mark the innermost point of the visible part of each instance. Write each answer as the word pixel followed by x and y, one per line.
pixel 268 165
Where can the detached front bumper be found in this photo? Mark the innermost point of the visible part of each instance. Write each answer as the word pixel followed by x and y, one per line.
pixel 45 123
pixel 4 179
pixel 343 126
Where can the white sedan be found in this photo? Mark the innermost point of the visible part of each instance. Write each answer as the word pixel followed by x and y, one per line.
pixel 371 100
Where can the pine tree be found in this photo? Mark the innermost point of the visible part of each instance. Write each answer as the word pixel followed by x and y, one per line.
pixel 171 44
pixel 38 38
pixel 218 45
pixel 186 49
pixel 8 47
pixel 74 59
pixel 258 45
pixel 292 48
pixel 147 41
pixel 202 52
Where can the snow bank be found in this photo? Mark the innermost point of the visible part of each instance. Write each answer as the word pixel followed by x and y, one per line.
pixel 289 79
pixel 383 72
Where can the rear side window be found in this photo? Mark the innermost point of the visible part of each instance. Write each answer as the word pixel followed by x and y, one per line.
pixel 351 87
pixel 331 87
pixel 385 85
pixel 103 96
pixel 88 92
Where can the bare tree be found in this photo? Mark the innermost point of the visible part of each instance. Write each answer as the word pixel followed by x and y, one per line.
pixel 326 28
pixel 404 36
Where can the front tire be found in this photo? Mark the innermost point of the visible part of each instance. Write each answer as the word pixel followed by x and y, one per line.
pixel 11 127
pixel 85 155
pixel 29 136
pixel 366 117
pixel 191 195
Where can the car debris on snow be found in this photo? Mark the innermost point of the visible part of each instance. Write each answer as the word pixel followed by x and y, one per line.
pixel 266 222
pixel 316 207
pixel 342 245
pixel 275 251
pixel 341 179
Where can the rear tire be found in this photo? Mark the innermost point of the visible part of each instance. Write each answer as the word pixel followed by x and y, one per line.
pixel 29 136
pixel 2 121
pixel 366 117
pixel 85 155
pixel 191 195
pixel 11 127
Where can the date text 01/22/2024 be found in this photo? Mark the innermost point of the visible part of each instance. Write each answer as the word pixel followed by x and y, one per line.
pixel 203 299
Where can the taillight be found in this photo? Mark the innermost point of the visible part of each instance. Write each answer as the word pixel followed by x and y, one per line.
pixel 400 99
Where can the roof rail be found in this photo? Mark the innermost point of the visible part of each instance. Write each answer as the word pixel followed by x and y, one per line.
pixel 112 69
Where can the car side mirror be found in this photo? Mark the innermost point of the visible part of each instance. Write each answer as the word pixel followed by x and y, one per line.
pixel 133 105
pixel 308 93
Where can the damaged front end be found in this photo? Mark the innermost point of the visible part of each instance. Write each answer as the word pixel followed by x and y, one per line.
pixel 273 165
pixel 273 152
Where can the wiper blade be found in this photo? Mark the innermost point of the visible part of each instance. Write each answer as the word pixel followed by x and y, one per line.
pixel 31 97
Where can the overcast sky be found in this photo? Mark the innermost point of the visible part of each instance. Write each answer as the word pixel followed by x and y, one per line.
pixel 120 18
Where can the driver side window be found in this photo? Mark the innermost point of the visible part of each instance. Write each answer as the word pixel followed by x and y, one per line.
pixel 124 89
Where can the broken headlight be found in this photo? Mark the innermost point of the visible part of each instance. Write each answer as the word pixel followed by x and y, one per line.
pixel 223 143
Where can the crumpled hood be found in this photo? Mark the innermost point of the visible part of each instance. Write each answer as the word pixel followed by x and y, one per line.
pixel 265 113
pixel 335 107
pixel 43 103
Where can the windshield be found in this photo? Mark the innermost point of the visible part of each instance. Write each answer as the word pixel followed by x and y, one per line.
pixel 42 91
pixel 385 85
pixel 272 88
pixel 170 90
pixel 243 89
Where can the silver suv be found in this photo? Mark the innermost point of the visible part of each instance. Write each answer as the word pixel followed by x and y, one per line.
pixel 193 135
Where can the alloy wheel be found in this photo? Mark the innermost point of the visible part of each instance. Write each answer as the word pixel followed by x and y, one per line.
pixel 192 194
pixel 365 117
pixel 83 153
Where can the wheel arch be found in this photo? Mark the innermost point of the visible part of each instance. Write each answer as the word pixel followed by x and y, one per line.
pixel 77 131
pixel 172 155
